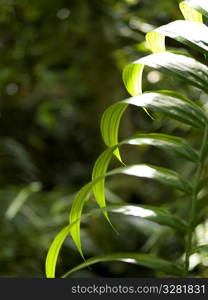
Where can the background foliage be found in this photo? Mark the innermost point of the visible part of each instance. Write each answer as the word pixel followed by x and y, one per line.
pixel 61 64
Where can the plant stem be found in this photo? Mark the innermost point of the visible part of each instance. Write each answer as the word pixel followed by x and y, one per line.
pixel 193 212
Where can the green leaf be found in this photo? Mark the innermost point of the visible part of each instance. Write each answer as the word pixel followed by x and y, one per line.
pixel 20 199
pixel 189 13
pixel 192 34
pixel 178 66
pixel 199 5
pixel 154 214
pixel 163 141
pixel 76 213
pixel 169 104
pixel 54 250
pixel 165 176
pixel 144 260
pixel 133 85
pixel 110 133
pixel 132 78
pixel 162 175
pixel 155 41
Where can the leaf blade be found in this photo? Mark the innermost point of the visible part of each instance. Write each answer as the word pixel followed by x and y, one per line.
pixel 162 141
pixel 155 41
pixel 192 34
pixel 53 252
pixel 151 213
pixel 76 213
pixel 189 13
pixel 162 175
pixel 200 5
pixel 180 66
pixel 145 260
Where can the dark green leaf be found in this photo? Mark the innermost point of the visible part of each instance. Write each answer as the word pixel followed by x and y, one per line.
pixel 144 260
pixel 110 125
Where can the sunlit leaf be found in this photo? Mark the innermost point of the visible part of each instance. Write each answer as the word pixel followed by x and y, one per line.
pixel 53 252
pixel 191 34
pixel 166 142
pixel 162 175
pixel 110 133
pixel 140 259
pixel 151 213
pixel 178 66
pixel 134 87
pixel 200 5
pixel 76 212
pixel 169 104
pixel 189 13
pixel 203 249
pixel 133 84
pixel 155 41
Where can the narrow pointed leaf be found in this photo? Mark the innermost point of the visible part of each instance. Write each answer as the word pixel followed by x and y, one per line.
pixel 110 133
pixel 99 172
pixel 151 213
pixel 164 176
pixel 203 249
pixel 189 13
pixel 144 260
pixel 132 78
pixel 155 41
pixel 191 34
pixel 200 5
pixel 76 213
pixel 54 250
pixel 133 85
pixel 166 142
pixel 20 199
pixel 180 66
pixel 170 104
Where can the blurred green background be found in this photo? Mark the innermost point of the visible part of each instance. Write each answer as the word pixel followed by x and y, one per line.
pixel 60 68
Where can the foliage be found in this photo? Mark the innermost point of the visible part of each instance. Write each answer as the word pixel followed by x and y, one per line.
pixel 52 98
pixel 190 115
